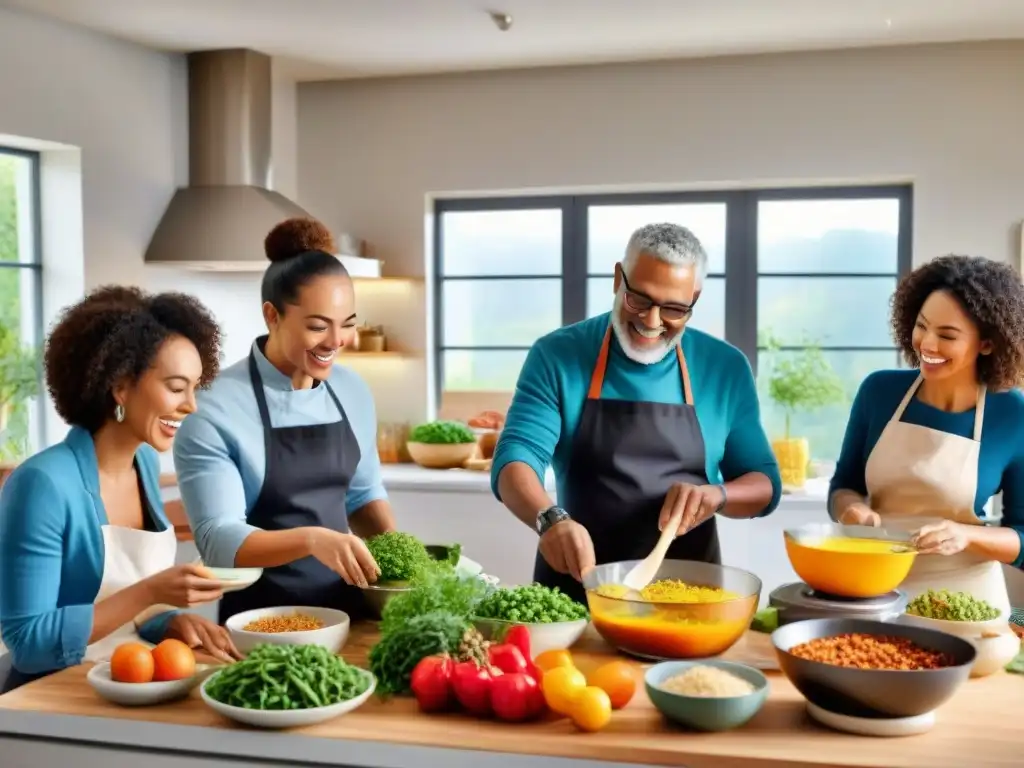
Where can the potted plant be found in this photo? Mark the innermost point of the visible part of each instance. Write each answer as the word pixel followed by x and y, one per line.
pixel 799 382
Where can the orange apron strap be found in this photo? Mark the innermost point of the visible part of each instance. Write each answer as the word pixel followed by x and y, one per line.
pixel 687 391
pixel 597 377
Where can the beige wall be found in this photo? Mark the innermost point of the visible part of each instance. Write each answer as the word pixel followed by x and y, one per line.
pixel 948 118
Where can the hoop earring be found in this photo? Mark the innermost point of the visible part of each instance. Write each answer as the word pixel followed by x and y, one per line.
pixel 119 412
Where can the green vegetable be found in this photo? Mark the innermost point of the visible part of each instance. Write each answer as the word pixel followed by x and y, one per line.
pixel 276 677
pixel 530 604
pixel 951 606
pixel 1016 665
pixel 439 590
pixel 765 620
pixel 400 556
pixel 402 647
pixel 442 433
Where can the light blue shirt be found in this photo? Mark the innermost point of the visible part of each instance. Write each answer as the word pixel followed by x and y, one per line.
pixel 220 456
pixel 51 552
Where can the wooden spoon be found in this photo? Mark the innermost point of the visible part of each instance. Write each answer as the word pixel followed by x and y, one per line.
pixel 644 572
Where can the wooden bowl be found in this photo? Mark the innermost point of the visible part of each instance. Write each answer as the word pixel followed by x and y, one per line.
pixel 441 456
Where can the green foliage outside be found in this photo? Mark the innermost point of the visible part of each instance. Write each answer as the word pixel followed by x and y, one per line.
pixel 19 365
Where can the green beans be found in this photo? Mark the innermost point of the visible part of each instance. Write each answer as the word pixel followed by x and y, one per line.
pixel 951 606
pixel 288 677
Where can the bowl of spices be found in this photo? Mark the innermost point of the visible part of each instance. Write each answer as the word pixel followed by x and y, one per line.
pixel 874 669
pixel 706 695
pixel 289 625
pixel 975 620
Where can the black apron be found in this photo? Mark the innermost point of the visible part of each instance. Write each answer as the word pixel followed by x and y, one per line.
pixel 625 457
pixel 307 475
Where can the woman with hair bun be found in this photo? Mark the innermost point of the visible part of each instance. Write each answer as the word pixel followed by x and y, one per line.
pixel 279 468
pixel 86 552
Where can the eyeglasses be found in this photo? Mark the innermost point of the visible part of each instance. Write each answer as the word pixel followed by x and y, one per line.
pixel 640 303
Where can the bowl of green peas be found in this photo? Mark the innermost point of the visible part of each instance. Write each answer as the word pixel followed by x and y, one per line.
pixel 287 686
pixel 554 620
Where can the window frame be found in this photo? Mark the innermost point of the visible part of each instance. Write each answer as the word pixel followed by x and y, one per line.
pixel 741 255
pixel 35 265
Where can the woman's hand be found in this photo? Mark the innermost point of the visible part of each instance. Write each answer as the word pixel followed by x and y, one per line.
pixel 199 633
pixel 943 538
pixel 183 586
pixel 346 555
pixel 860 514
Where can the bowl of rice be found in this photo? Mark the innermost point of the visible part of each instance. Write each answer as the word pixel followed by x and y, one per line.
pixel 690 610
pixel 289 625
pixel 706 695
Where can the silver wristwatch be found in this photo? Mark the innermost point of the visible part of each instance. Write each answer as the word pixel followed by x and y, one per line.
pixel 549 517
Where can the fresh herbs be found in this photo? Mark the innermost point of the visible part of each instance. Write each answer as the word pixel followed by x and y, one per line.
pixel 442 433
pixel 400 649
pixel 951 606
pixel 433 591
pixel 400 556
pixel 278 677
pixel 530 604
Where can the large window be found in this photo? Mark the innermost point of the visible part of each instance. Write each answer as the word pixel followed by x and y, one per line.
pixel 802 267
pixel 20 305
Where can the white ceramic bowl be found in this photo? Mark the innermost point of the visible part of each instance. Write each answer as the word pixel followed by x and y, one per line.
pixel 995 642
pixel 332 635
pixel 144 694
pixel 288 718
pixel 557 635
pixel 234 579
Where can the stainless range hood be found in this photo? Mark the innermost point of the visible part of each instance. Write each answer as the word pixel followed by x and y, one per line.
pixel 219 221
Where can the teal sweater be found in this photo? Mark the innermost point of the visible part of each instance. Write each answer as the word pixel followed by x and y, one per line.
pixel 553 384
pixel 1000 465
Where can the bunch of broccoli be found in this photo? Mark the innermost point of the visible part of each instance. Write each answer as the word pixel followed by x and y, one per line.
pixel 400 556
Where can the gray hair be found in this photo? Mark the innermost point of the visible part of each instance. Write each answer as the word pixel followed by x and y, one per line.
pixel 670 243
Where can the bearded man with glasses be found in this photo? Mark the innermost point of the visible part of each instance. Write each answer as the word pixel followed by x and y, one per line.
pixel 646 424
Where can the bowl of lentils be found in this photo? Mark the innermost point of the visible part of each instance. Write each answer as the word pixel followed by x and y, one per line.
pixel 554 620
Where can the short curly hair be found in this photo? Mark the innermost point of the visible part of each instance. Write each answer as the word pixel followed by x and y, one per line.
pixel 990 292
pixel 112 334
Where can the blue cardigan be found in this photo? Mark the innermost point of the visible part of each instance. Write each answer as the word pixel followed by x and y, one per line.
pixel 51 553
pixel 553 384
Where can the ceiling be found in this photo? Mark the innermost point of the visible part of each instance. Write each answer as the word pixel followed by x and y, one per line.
pixel 325 39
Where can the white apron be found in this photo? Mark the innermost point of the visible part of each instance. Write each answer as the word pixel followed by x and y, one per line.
pixel 917 475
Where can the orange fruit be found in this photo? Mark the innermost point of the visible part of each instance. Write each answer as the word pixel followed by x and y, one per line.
pixel 560 686
pixel 553 658
pixel 173 660
pixel 617 679
pixel 591 709
pixel 131 663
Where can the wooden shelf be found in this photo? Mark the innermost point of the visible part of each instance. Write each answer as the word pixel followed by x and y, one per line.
pixel 395 280
pixel 374 355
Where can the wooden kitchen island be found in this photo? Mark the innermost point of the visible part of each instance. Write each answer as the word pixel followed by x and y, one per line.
pixel 60 721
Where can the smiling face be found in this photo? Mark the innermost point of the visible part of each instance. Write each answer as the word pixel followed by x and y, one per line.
pixel 652 306
pixel 155 405
pixel 307 336
pixel 946 339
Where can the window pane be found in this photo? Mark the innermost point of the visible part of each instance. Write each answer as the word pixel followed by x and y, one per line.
pixel 17 216
pixel 708 316
pixel 499 313
pixel 610 226
pixel 482 369
pixel 19 364
pixel 824 428
pixel 501 242
pixel 828 236
pixel 828 311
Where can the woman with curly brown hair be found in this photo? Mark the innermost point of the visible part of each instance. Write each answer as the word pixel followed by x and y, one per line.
pixel 86 552
pixel 279 469
pixel 926 449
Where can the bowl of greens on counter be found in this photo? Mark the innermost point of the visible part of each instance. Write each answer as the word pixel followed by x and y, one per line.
pixel 441 444
pixel 555 621
pixel 286 686
pixel 402 559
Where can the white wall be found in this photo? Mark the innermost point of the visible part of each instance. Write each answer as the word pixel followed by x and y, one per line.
pixel 947 118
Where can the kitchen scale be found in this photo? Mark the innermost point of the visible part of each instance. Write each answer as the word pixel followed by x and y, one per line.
pixel 798 602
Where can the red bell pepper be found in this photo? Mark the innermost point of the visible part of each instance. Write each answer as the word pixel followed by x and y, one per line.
pixel 431 683
pixel 472 684
pixel 519 636
pixel 507 658
pixel 516 697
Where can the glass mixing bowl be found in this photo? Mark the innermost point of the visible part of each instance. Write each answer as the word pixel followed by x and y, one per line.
pixel 672 630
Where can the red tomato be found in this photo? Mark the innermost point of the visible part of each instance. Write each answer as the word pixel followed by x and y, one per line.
pixel 507 658
pixel 431 683
pixel 472 685
pixel 516 697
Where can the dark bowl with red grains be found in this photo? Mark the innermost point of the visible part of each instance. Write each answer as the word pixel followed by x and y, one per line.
pixel 872 669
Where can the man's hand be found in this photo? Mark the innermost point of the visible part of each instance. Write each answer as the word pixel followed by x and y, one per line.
pixel 693 504
pixel 860 514
pixel 567 547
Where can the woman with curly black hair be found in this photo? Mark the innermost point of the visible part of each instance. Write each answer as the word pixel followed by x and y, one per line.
pixel 86 552
pixel 926 449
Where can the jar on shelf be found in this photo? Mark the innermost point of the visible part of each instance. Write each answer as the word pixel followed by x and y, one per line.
pixel 371 338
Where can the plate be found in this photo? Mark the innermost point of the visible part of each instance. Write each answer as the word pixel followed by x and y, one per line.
pixel 873 726
pixel 234 579
pixel 287 718
pixel 144 694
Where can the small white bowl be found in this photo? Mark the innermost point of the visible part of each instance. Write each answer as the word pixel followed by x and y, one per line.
pixel 995 642
pixel 234 579
pixel 332 635
pixel 288 718
pixel 556 635
pixel 144 694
